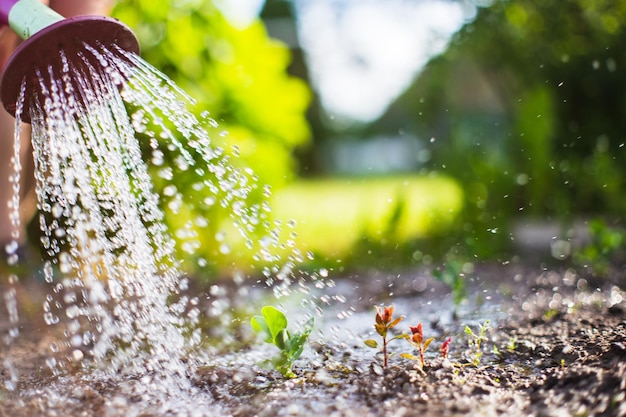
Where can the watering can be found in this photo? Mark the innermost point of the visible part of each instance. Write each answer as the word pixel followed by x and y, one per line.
pixel 45 34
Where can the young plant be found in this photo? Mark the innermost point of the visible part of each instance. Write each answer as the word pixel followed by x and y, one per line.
pixel 417 341
pixel 445 348
pixel 474 341
pixel 511 345
pixel 452 274
pixel 272 324
pixel 385 322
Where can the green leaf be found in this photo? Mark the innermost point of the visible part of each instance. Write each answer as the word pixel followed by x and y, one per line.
pixel 427 343
pixel 409 356
pixel 401 336
pixel 276 321
pixel 371 343
pixel 381 329
pixel 281 363
pixel 282 340
pixel 298 341
pixel 259 325
pixel 296 345
pixel 395 322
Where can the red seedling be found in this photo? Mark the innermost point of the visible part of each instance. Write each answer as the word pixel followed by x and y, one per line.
pixel 384 322
pixel 445 347
pixel 417 340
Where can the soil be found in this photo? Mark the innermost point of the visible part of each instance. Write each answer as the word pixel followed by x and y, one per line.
pixel 556 347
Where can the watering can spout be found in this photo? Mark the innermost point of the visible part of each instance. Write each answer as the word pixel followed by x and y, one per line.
pixel 45 34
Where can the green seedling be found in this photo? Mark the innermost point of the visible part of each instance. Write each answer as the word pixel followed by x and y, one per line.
pixel 474 341
pixel 510 346
pixel 452 274
pixel 497 352
pixel 272 324
pixel 417 341
pixel 385 322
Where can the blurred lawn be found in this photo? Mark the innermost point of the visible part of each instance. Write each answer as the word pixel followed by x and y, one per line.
pixel 333 215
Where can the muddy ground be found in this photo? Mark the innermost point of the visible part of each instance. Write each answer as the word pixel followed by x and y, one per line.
pixel 556 347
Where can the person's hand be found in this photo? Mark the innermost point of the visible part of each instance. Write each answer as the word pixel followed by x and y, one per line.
pixel 66 8
pixel 70 8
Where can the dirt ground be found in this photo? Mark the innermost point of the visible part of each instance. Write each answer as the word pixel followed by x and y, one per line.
pixel 556 347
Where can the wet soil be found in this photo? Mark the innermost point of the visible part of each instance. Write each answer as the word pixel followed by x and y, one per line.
pixel 556 347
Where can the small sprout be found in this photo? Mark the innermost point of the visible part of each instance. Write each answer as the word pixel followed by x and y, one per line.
pixel 510 346
pixel 445 347
pixel 417 340
pixel 385 322
pixel 550 314
pixel 496 351
pixel 272 324
pixel 452 274
pixel 474 341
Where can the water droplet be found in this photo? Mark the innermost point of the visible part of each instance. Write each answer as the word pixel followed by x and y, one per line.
pixel 57 210
pixel 12 247
pixel 224 248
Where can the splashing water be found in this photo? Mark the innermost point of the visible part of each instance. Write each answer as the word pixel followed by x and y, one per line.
pixel 117 286
pixel 101 224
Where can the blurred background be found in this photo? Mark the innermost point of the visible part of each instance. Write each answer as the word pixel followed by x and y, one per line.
pixel 401 133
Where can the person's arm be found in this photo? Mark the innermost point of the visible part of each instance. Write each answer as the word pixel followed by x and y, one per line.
pixel 69 8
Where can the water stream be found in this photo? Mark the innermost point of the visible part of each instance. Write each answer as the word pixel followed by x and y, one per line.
pixel 116 287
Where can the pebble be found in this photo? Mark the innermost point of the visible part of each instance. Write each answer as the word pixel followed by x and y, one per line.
pixel 377 369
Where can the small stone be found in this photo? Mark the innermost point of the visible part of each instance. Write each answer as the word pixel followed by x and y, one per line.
pixel 377 369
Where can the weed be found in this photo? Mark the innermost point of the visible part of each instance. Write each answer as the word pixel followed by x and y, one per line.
pixel 385 322
pixel 272 324
pixel 417 341
pixel 474 341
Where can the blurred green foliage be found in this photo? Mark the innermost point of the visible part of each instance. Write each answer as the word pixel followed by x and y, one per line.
pixel 605 249
pixel 363 221
pixel 239 76
pixel 528 109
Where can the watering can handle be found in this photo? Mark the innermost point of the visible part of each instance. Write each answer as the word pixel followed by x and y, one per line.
pixel 45 33
pixel 27 17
